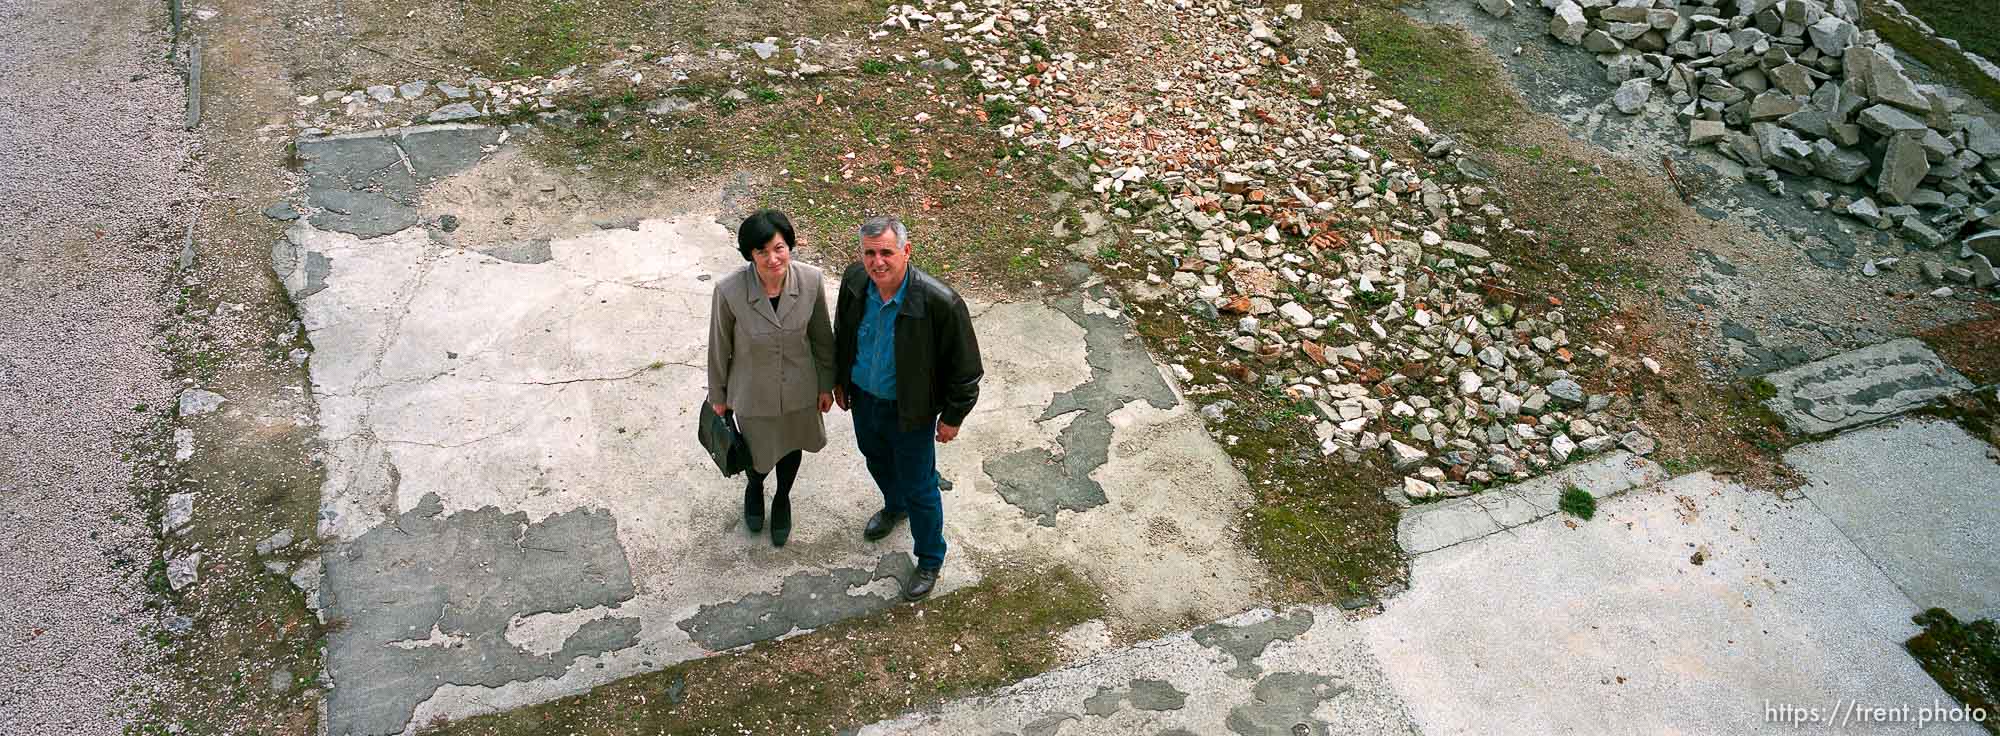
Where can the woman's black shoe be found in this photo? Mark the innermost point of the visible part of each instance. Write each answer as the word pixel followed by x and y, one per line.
pixel 781 521
pixel 753 508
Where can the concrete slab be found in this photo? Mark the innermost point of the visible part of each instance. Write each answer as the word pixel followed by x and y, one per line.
pixel 1921 498
pixel 1435 526
pixel 487 395
pixel 1613 626
pixel 1861 386
pixel 1305 671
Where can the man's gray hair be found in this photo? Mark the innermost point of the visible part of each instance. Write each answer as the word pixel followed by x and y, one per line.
pixel 873 227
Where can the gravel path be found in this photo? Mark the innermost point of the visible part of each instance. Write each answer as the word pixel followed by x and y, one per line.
pixel 95 177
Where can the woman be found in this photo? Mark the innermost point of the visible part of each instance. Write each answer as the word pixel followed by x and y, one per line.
pixel 770 360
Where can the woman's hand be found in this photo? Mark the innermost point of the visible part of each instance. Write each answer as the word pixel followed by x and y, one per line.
pixel 720 409
pixel 825 401
pixel 841 399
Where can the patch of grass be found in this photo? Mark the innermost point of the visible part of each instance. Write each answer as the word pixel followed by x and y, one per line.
pixel 1577 502
pixel 542 38
pixel 1434 69
pixel 874 66
pixel 853 672
pixel 1963 657
pixel 765 94
pixel 1324 536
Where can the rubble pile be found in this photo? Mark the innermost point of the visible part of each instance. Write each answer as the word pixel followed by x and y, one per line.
pixel 1795 86
pixel 1252 167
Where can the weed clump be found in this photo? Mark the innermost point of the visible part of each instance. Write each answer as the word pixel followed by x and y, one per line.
pixel 1577 502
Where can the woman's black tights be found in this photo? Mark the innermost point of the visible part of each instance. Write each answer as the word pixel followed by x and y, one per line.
pixel 781 504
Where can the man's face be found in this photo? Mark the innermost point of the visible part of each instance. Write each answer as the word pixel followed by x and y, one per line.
pixel 884 261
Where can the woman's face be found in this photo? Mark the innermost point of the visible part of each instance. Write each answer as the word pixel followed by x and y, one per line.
pixel 773 257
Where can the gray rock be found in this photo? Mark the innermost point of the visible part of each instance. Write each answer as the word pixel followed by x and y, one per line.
pixel 1903 168
pixel 1566 392
pixel 1831 35
pixel 179 511
pixel 1701 132
pixel 1637 443
pixel 1783 149
pixel 1632 95
pixel 1569 25
pixel 195 402
pixel 938 65
pixel 1839 164
pixel 275 542
pixel 1981 138
pixel 1497 8
pixel 764 50
pixel 1983 274
pixel 1750 80
pixel 453 91
pixel 1887 121
pixel 454 112
pixel 1404 457
pixel 381 92
pixel 282 212
pixel 1598 41
pixel 670 105
pixel 1887 84
pixel 1561 447
pixel 412 90
pixel 1793 79
pixel 1922 233
pixel 1771 105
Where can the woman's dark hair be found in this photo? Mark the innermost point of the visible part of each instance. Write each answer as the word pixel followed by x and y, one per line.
pixel 758 229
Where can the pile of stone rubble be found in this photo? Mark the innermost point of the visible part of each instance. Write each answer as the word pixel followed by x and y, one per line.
pixel 1266 198
pixel 1795 86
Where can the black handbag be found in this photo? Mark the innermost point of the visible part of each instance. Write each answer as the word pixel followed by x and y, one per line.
pixel 725 445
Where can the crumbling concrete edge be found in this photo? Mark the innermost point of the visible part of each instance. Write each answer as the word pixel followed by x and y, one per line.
pixel 1432 527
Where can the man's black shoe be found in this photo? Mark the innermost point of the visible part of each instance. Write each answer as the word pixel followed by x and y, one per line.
pixel 921 583
pixel 881 524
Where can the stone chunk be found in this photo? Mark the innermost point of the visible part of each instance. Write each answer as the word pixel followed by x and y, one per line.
pixel 1831 35
pixel 1569 25
pixel 196 401
pixel 1783 149
pixel 1887 84
pixel 1768 106
pixel 1889 122
pixel 1632 95
pixel 1706 131
pixel 454 112
pixel 1980 138
pixel 1839 164
pixel 1861 386
pixel 1903 168
pixel 1497 8
pixel 1793 79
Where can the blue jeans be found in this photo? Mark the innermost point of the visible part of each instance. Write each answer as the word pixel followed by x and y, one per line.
pixel 904 465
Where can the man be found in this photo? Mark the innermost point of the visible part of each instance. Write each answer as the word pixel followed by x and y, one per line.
pixel 907 365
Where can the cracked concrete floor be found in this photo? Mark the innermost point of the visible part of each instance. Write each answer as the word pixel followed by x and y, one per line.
pixel 517 509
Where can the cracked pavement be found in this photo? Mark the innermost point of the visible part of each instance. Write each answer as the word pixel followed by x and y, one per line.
pixel 457 386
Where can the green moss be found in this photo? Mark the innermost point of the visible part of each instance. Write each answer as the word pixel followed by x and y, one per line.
pixel 1963 657
pixel 1957 21
pixel 1435 69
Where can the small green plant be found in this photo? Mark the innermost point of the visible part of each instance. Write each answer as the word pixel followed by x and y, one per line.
pixel 765 94
pixel 1577 502
pixel 1376 298
pixel 1036 47
pixel 725 104
pixel 874 66
pixel 997 110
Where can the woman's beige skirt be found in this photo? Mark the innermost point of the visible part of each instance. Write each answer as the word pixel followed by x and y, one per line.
pixel 771 438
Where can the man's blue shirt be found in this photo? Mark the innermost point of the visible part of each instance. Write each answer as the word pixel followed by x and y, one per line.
pixel 875 342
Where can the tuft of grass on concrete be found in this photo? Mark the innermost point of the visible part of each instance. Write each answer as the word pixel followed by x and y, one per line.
pixel 847 674
pixel 1964 658
pixel 1577 502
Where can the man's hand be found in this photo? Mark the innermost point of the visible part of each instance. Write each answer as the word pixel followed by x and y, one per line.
pixel 720 409
pixel 840 398
pixel 946 433
pixel 825 401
